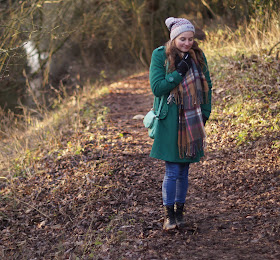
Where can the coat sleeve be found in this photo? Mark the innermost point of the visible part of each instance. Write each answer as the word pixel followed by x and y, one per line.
pixel 206 108
pixel 161 82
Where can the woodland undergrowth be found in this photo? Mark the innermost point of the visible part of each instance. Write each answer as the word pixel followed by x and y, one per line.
pixel 245 66
pixel 69 182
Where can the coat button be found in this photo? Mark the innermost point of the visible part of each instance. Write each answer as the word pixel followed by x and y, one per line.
pixel 171 79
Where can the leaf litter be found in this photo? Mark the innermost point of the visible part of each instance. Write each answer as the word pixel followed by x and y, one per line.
pixel 104 201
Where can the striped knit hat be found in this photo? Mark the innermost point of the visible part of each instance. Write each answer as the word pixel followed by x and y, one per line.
pixel 176 26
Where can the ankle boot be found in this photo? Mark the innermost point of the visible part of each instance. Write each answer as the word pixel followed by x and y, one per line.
pixel 169 218
pixel 179 217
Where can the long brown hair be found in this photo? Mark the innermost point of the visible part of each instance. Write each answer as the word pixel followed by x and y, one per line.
pixel 171 52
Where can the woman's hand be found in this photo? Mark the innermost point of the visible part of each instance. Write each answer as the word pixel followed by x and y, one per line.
pixel 184 65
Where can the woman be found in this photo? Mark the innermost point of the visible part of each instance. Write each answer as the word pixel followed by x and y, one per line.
pixel 179 74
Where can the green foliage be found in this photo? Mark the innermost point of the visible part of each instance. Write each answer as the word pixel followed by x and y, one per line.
pixel 98 242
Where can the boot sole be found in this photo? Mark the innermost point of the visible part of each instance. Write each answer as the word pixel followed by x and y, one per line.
pixel 169 228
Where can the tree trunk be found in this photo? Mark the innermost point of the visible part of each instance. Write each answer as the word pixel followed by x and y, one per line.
pixel 147 26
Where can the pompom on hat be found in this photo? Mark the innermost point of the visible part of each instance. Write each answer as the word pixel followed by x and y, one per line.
pixel 176 26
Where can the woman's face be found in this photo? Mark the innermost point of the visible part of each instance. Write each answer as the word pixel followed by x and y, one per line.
pixel 184 41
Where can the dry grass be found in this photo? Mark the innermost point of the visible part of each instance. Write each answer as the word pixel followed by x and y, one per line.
pixel 248 38
pixel 246 84
pixel 25 138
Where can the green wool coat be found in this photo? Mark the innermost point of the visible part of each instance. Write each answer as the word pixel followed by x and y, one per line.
pixel 165 146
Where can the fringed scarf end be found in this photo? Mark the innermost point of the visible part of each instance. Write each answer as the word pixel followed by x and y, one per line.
pixel 194 148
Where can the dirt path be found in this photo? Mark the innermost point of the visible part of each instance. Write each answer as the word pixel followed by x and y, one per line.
pixel 106 203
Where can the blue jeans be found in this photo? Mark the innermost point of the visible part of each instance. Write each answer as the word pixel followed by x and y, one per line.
pixel 175 183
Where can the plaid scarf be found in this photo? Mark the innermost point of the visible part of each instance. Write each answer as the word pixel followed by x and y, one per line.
pixel 192 91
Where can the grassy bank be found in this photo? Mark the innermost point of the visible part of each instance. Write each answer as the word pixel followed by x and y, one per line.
pixel 245 72
pixel 26 140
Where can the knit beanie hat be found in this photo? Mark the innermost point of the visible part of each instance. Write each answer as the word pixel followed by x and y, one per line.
pixel 176 26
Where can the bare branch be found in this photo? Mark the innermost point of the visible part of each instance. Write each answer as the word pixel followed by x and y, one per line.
pixel 273 48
